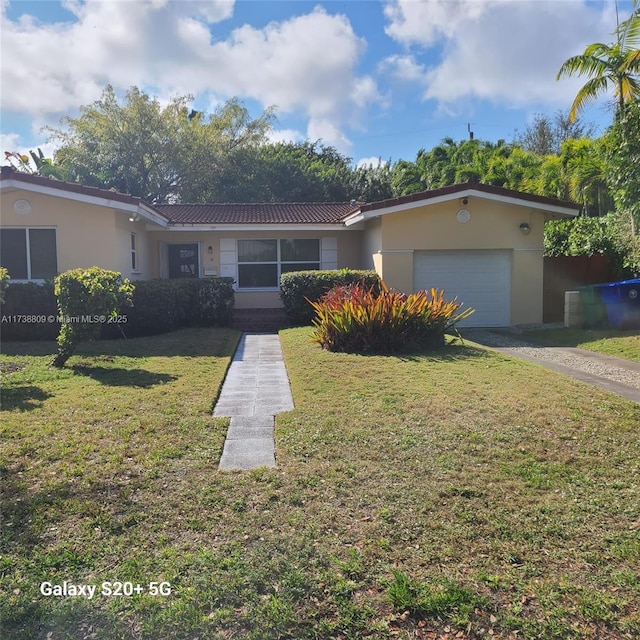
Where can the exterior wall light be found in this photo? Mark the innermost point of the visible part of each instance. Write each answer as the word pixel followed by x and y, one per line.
pixel 210 250
pixel 525 227
pixel 134 217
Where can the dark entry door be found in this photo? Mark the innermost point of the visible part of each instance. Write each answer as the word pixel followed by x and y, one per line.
pixel 183 260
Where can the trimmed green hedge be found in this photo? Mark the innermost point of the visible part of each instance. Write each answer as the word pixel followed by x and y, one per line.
pixel 27 311
pixel 166 305
pixel 158 306
pixel 297 287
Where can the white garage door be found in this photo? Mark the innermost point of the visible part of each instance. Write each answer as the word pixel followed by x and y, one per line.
pixel 479 279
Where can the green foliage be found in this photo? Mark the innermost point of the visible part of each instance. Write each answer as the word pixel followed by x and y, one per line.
pixel 356 319
pixel 152 151
pixel 582 236
pixel 297 172
pixel 166 305
pixel 41 165
pixel 86 299
pixel 159 306
pixel 299 288
pixel 607 235
pixel 4 282
pixel 450 162
pixel 608 66
pixel 623 156
pixel 293 172
pixel 36 305
pixel 445 600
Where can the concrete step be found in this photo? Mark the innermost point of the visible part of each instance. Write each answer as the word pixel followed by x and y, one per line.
pixel 259 319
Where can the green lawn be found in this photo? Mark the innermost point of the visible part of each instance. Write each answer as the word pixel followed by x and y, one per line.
pixel 611 342
pixel 459 492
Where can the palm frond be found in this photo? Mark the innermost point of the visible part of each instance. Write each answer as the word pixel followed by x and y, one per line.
pixel 589 93
pixel 630 89
pixel 631 63
pixel 628 32
pixel 583 65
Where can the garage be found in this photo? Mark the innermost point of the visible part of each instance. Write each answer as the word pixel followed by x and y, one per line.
pixel 479 279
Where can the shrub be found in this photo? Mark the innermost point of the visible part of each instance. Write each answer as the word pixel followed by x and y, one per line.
pixel 166 305
pixel 4 282
pixel 29 312
pixel 299 288
pixel 589 236
pixel 158 306
pixel 85 298
pixel 215 299
pixel 360 320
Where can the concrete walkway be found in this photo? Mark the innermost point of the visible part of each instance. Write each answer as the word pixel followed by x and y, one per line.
pixel 255 389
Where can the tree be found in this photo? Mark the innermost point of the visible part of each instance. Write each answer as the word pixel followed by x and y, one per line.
pixel 545 135
pixel 608 66
pixel 622 144
pixel 158 153
pixel 371 183
pixel 295 172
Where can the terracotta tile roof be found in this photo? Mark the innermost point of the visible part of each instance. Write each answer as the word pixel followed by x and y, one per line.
pixel 457 188
pixel 274 212
pixel 8 173
pixel 258 213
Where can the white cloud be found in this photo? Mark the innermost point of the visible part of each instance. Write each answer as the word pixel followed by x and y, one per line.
pixel 10 142
pixel 306 63
pixel 426 21
pixel 404 68
pixel 286 135
pixel 503 52
pixel 373 161
pixel 325 130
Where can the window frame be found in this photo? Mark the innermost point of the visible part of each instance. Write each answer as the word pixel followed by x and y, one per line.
pixel 135 267
pixel 29 265
pixel 278 261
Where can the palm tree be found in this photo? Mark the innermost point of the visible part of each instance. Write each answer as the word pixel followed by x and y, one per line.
pixel 614 65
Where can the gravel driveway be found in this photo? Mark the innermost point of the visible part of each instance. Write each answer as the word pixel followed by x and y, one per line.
pixel 613 374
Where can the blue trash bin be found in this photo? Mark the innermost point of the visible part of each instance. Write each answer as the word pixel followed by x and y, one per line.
pixel 622 301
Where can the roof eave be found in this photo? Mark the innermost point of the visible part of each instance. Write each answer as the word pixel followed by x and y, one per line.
pixel 563 209
pixel 299 226
pixel 133 207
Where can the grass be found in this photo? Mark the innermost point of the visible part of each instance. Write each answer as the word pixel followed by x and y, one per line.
pixel 611 342
pixel 460 492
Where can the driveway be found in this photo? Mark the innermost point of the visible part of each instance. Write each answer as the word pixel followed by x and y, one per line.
pixel 612 374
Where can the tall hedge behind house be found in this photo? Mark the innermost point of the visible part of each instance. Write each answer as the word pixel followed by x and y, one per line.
pixel 297 288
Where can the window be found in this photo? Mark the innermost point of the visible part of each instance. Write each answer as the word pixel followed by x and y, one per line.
pixel 261 262
pixel 29 254
pixel 134 254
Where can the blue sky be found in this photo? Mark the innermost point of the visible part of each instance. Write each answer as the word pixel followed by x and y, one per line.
pixel 372 78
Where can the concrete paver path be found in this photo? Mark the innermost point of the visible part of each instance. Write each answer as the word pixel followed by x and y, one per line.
pixel 255 389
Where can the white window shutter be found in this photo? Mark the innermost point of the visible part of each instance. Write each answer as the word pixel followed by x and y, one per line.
pixel 229 259
pixel 329 253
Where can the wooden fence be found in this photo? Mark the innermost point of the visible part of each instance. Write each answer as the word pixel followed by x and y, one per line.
pixel 567 273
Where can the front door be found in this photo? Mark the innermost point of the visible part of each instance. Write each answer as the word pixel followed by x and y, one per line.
pixel 183 260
